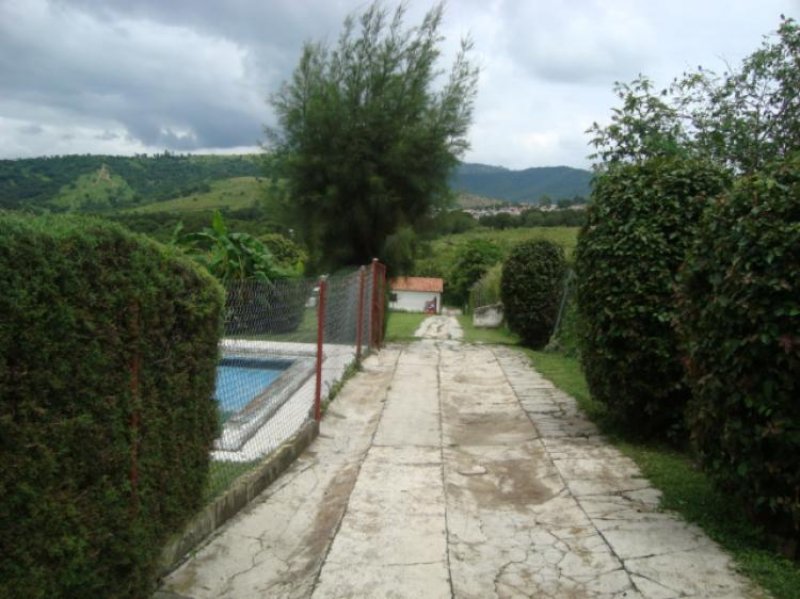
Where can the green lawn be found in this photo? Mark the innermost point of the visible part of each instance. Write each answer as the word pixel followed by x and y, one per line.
pixel 472 334
pixel 443 250
pixel 400 326
pixel 685 488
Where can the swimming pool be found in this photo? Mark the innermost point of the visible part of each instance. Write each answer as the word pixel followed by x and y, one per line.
pixel 251 387
pixel 240 380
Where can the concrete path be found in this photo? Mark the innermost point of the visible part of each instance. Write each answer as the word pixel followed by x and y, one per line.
pixel 453 470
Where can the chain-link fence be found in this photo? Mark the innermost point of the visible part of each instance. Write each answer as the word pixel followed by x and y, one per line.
pixel 486 290
pixel 287 343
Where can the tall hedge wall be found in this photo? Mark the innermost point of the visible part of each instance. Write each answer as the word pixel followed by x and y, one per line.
pixel 739 320
pixel 640 224
pixel 108 347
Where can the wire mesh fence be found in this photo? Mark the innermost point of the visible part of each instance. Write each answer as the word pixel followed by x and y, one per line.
pixel 286 345
pixel 486 290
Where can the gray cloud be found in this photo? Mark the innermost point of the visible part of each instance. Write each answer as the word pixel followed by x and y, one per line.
pixel 120 77
pixel 31 129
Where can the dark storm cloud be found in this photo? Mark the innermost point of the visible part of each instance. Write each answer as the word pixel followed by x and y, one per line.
pixel 167 83
pixel 125 76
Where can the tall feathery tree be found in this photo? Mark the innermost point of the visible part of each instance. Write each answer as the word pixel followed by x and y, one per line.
pixel 368 133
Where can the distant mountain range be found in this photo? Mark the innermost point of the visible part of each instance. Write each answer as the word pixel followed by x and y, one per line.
pixel 110 183
pixel 526 186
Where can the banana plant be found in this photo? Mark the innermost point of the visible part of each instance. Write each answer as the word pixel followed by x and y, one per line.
pixel 232 256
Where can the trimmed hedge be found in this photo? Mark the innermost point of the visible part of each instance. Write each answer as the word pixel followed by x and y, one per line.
pixel 640 224
pixel 530 288
pixel 108 349
pixel 740 322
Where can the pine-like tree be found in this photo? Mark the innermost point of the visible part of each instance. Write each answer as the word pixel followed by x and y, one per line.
pixel 368 133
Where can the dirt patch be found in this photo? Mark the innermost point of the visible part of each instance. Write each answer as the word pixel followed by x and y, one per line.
pixel 328 517
pixel 509 483
pixel 487 427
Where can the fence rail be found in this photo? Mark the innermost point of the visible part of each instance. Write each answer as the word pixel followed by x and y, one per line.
pixel 286 344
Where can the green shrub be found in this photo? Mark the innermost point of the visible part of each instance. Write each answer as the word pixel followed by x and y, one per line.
pixel 640 224
pixel 288 255
pixel 740 321
pixel 108 349
pixel 471 261
pixel 530 287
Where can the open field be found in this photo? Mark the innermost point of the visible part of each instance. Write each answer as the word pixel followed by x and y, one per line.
pixel 234 194
pixel 566 237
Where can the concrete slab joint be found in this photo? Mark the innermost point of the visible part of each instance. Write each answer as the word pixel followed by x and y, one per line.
pixel 454 470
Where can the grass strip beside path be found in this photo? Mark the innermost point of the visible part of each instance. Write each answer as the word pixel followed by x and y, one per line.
pixel 685 488
pixel 400 326
pixel 473 334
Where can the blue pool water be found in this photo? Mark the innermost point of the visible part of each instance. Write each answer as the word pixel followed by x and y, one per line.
pixel 239 380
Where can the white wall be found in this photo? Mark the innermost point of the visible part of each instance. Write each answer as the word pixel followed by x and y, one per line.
pixel 414 301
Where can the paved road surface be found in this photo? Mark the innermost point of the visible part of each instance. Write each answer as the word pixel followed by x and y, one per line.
pixel 453 470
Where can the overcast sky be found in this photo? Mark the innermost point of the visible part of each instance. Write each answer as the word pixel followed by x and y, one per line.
pixel 133 76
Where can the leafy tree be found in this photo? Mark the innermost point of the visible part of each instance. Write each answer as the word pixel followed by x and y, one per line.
pixel 743 119
pixel 400 251
pixel 750 116
pixel 647 125
pixel 472 260
pixel 363 137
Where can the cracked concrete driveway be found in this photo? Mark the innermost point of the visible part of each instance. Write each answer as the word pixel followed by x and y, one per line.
pixel 454 470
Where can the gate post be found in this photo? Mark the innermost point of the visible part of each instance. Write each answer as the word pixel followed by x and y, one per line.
pixel 360 321
pixel 323 285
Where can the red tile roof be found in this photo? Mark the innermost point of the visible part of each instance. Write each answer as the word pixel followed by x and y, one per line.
pixel 425 284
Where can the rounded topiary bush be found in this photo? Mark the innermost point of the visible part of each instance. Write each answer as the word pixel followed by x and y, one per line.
pixel 530 288
pixel 739 320
pixel 640 223
pixel 108 350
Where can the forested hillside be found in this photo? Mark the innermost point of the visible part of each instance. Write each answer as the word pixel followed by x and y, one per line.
pixel 95 183
pixel 527 186
pixel 98 183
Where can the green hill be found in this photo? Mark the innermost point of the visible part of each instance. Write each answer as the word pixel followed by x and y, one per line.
pixel 111 183
pixel 99 183
pixel 236 193
pixel 95 191
pixel 526 186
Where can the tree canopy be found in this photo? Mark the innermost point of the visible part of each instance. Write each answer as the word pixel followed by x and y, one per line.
pixel 742 119
pixel 368 132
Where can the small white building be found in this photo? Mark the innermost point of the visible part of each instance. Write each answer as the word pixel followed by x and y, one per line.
pixel 416 294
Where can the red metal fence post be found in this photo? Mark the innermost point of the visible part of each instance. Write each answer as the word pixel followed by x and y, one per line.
pixel 323 284
pixel 381 303
pixel 373 308
pixel 360 317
